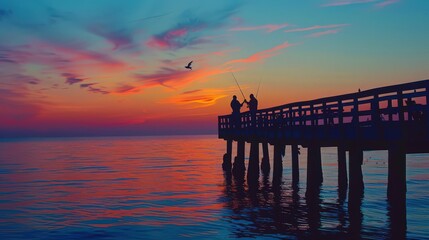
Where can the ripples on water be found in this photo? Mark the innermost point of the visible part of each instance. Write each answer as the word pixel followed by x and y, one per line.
pixel 174 188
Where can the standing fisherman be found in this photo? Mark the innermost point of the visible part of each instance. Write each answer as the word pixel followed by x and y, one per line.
pixel 253 107
pixel 236 106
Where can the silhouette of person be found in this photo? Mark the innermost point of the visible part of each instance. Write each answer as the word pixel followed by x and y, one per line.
pixel 236 106
pixel 253 107
pixel 252 104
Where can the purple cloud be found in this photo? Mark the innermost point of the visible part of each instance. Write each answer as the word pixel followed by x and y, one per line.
pixel 72 78
pixel 97 90
pixel 85 85
pixel 192 91
pixel 162 77
pixel 126 89
pixel 188 32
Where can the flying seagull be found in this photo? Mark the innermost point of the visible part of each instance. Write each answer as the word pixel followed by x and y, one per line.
pixel 189 65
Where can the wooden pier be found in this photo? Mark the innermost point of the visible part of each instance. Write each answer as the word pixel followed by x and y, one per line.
pixel 393 118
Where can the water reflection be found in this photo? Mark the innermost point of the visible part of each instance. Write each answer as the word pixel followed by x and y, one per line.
pixel 281 208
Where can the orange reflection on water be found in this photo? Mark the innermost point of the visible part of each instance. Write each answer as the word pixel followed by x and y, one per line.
pixel 104 182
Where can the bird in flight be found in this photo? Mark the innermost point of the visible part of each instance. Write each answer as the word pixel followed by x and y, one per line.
pixel 189 65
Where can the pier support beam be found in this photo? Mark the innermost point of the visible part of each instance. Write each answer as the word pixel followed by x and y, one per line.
pixel 396 186
pixel 295 164
pixel 238 167
pixel 226 165
pixel 253 169
pixel 342 168
pixel 265 163
pixel 278 162
pixel 314 167
pixel 396 191
pixel 355 170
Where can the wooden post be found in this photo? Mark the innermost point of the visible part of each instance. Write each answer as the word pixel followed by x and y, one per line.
pixel 356 119
pixel 253 169
pixel 342 168
pixel 340 113
pixel 226 165
pixel 314 167
pixel 278 164
pixel 396 191
pixel 396 186
pixel 355 170
pixel 325 114
pixel 295 163
pixel 238 166
pixel 265 163
pixel 426 110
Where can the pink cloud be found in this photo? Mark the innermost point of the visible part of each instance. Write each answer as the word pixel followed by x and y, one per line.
pixel 347 2
pixel 316 27
pixel 268 27
pixel 327 32
pixel 381 3
pixel 386 3
pixel 259 56
pixel 171 39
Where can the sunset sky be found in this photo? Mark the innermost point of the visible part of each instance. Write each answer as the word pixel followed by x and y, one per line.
pixel 116 67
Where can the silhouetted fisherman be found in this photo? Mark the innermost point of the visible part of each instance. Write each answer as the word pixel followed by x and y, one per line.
pixel 236 106
pixel 253 107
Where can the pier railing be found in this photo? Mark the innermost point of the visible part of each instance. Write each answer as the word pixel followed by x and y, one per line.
pixel 386 113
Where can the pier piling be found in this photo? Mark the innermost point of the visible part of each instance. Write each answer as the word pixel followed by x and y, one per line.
pixel 355 169
pixel 265 163
pixel 253 169
pixel 314 167
pixel 342 168
pixel 295 163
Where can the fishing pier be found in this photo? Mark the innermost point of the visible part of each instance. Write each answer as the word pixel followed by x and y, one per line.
pixel 393 118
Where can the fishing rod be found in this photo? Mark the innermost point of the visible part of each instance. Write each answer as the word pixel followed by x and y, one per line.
pixel 238 85
pixel 259 85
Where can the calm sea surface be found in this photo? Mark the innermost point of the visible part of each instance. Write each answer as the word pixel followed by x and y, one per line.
pixel 174 188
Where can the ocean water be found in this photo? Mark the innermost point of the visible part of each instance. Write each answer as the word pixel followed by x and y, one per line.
pixel 174 188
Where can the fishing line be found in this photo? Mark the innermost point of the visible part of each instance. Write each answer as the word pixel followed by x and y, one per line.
pixel 259 85
pixel 238 85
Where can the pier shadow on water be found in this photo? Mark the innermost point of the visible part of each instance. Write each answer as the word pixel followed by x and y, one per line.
pixel 277 207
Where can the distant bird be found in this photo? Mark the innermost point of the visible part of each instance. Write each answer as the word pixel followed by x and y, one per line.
pixel 189 65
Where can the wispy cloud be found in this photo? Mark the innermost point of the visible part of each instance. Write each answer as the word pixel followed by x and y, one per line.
pixel 97 90
pixel 126 88
pixel 198 98
pixel 386 3
pixel 327 32
pixel 90 87
pixel 378 3
pixel 188 32
pixel 268 27
pixel 85 85
pixel 262 55
pixel 72 78
pixel 346 2
pixel 171 78
pixel 317 27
